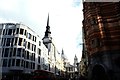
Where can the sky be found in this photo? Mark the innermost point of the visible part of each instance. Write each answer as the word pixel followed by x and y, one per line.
pixel 65 20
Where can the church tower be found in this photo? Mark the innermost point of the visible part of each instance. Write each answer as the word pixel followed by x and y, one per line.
pixel 47 37
pixel 75 62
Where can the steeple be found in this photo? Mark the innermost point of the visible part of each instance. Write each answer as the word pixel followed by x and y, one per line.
pixel 48 20
pixel 47 32
pixel 75 58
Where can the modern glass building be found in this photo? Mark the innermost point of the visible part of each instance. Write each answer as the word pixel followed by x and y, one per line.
pixel 22 50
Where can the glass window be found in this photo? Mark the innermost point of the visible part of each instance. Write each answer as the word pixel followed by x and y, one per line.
pixel 28 45
pixel 22 63
pixel 33 65
pixel 3 31
pixel 21 31
pixel 39 67
pixel 3 52
pixel 23 53
pixel 39 51
pixel 32 47
pixel 12 40
pixel 16 39
pixel 4 62
pixel 24 43
pixel 9 63
pixel 27 64
pixel 0 31
pixel 13 62
pixel 35 48
pixel 35 39
pixel 38 59
pixel 14 52
pixel 29 36
pixel 17 31
pixel 6 31
pixel 25 33
pixel 4 43
pixel 17 62
pixel 6 52
pixel 10 32
pixel 20 41
pixel 8 42
pixel 13 31
pixel 27 54
pixel 39 43
pixel 34 57
pixel 19 52
pixel 11 51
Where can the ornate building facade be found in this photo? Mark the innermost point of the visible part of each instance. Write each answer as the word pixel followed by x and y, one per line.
pixel 101 28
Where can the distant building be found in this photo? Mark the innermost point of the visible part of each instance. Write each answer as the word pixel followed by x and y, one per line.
pixel 22 51
pixel 55 59
pixel 101 26
pixel 69 73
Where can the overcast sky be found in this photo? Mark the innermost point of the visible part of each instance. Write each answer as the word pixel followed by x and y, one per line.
pixel 65 20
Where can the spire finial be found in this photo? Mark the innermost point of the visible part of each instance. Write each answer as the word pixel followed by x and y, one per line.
pixel 48 20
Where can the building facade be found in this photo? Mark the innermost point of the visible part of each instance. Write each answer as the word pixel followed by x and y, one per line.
pixel 101 26
pixel 22 50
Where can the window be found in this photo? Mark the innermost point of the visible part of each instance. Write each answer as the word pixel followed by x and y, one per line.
pixel 28 45
pixel 4 43
pixel 17 31
pixel 0 31
pixel 95 42
pixel 33 65
pixel 29 36
pixel 21 31
pixel 22 63
pixel 9 63
pixel 27 64
pixel 35 39
pixel 20 42
pixel 39 51
pixel 14 52
pixel 10 32
pixel 24 43
pixel 8 42
pixel 35 48
pixel 32 47
pixel 27 54
pixel 19 52
pixel 3 52
pixel 4 62
pixel 94 21
pixel 38 59
pixel 6 52
pixel 23 53
pixel 11 51
pixel 12 40
pixel 16 39
pixel 3 31
pixel 39 67
pixel 25 33
pixel 6 31
pixel 13 31
pixel 13 62
pixel 17 62
pixel 39 43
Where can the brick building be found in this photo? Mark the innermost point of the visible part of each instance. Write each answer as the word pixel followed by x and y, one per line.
pixel 101 26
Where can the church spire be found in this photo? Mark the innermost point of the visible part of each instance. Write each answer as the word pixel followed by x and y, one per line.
pixel 48 20
pixel 47 32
